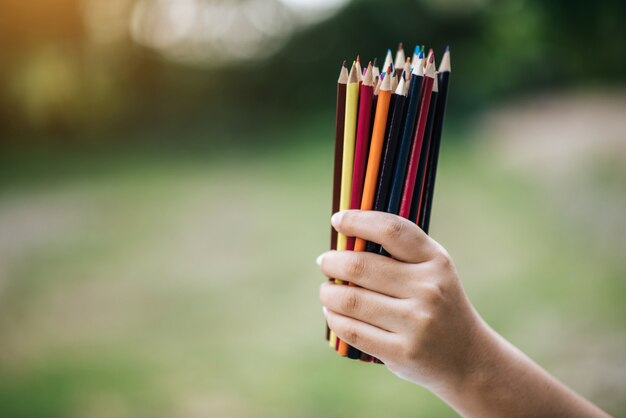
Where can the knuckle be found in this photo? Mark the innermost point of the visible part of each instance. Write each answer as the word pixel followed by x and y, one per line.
pixel 351 302
pixel 432 293
pixel 356 266
pixel 394 228
pixel 351 335
pixel 444 260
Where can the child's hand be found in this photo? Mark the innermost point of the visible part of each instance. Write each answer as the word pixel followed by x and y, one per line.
pixel 410 311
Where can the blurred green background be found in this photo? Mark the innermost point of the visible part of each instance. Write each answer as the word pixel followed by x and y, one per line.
pixel 165 182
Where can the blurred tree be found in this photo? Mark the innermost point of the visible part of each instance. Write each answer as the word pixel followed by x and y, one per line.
pixel 66 73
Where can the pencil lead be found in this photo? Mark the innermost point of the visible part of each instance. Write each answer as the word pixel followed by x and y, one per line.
pixel 430 68
pixel 444 66
pixel 418 67
pixel 375 59
pixel 400 88
pixel 385 85
pixel 447 48
pixel 368 79
pixel 416 50
pixel 358 58
pixel 343 74
pixel 400 57
pixel 358 70
pixel 400 46
pixel 352 77
pixel 421 55
pixel 343 64
pixel 432 58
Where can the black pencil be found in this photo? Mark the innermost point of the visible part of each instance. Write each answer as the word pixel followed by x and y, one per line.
pixel 390 151
pixel 404 148
pixel 423 163
pixel 427 197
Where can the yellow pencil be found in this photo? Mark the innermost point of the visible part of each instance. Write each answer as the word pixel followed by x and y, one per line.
pixel 349 136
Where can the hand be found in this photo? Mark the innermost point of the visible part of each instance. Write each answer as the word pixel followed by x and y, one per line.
pixel 410 311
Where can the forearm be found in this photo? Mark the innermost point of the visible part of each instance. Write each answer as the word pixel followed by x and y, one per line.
pixel 503 381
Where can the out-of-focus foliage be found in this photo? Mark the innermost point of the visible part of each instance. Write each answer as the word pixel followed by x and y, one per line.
pixel 71 70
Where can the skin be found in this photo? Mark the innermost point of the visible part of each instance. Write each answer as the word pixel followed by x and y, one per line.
pixel 411 312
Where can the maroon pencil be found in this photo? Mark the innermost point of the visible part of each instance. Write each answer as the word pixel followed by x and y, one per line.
pixel 363 132
pixel 339 125
pixel 409 182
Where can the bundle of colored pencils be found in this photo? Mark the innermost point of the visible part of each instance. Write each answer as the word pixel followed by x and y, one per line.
pixel 387 139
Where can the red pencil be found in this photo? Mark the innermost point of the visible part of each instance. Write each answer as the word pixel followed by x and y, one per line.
pixel 409 182
pixel 366 95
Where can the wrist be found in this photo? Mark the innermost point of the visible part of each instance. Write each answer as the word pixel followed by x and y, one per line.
pixel 477 368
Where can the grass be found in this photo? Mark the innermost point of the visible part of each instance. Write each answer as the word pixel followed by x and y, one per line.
pixel 184 285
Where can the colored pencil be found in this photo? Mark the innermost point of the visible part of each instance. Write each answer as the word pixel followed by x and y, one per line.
pixel 373 161
pixel 443 80
pixel 339 126
pixel 400 58
pixel 375 70
pixel 397 185
pixel 366 94
pixel 424 155
pixel 362 136
pixel 388 59
pixel 418 139
pixel 389 155
pixel 416 53
pixel 349 134
pixel 375 153
pixel 388 131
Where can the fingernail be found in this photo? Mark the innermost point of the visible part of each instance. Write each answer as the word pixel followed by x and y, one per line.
pixel 324 311
pixel 318 260
pixel 335 220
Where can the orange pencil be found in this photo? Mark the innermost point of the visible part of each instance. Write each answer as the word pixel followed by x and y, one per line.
pixel 373 164
pixel 376 149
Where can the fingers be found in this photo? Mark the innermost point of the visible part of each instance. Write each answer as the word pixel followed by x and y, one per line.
pixel 403 239
pixel 370 307
pixel 371 271
pixel 365 337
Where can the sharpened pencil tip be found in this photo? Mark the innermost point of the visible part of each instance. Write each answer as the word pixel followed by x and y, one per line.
pixel 432 58
pixel 421 55
pixel 447 48
pixel 400 46
pixel 358 58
